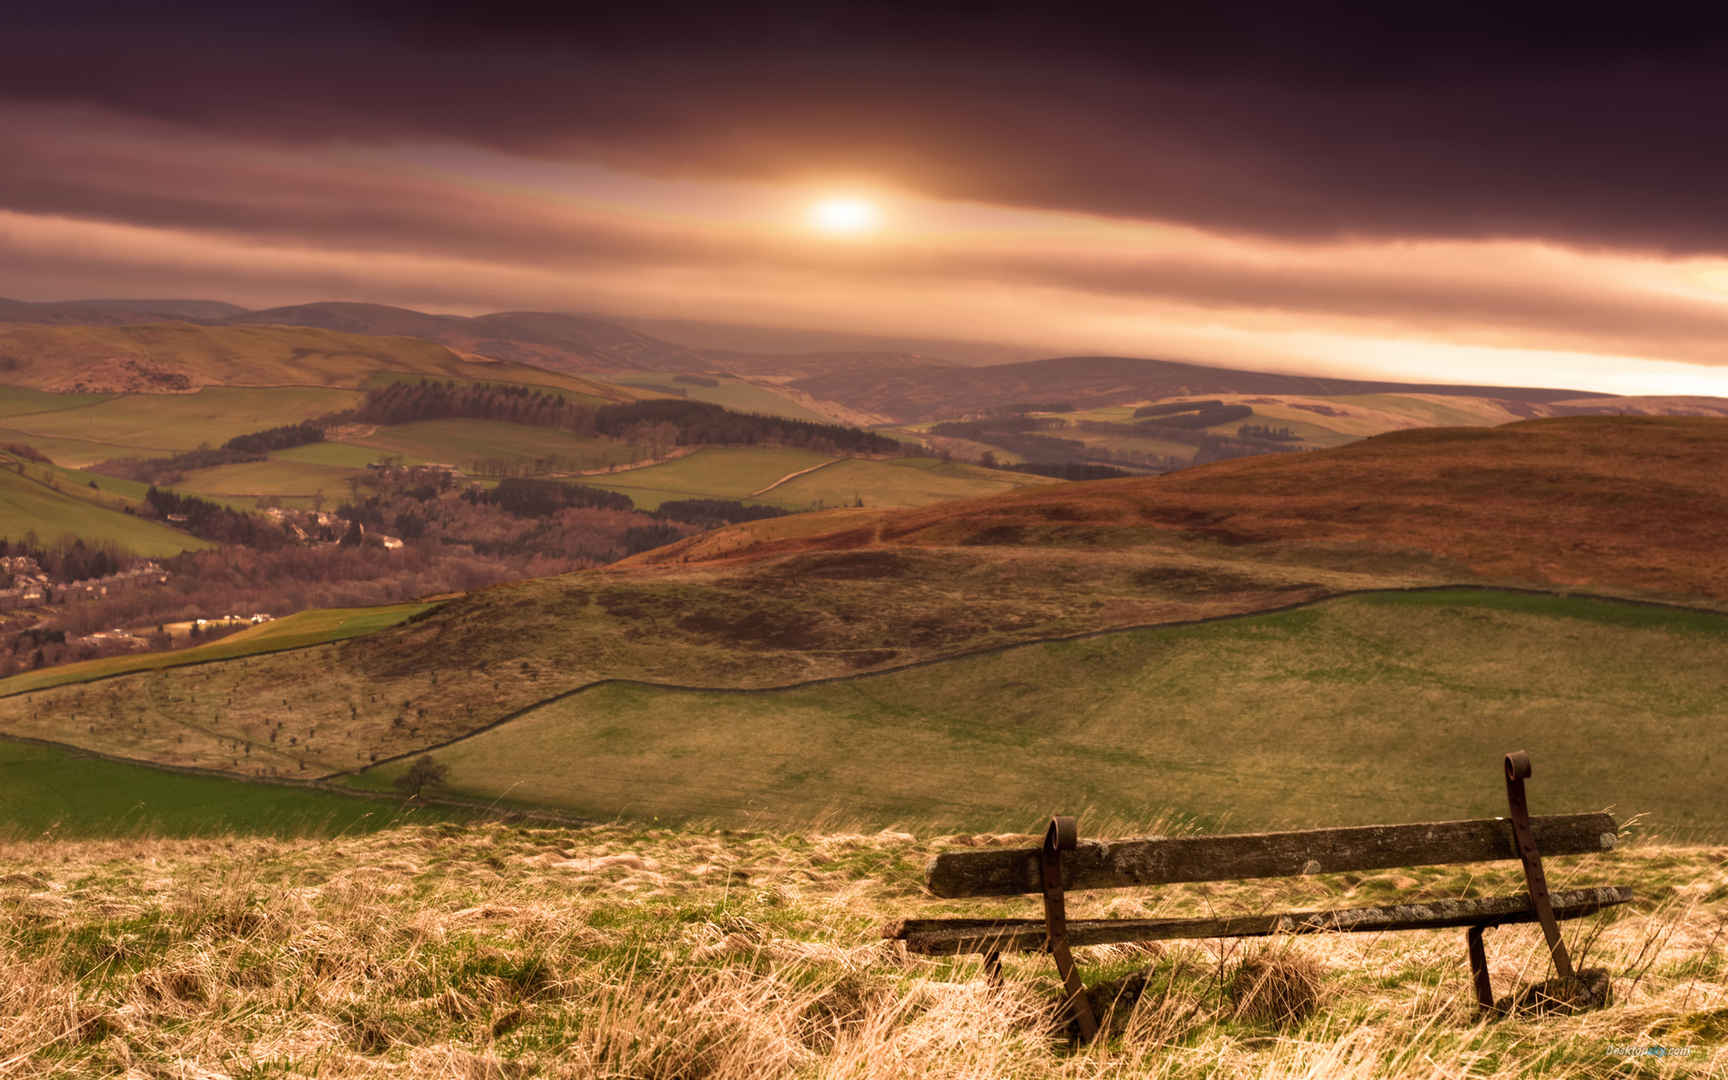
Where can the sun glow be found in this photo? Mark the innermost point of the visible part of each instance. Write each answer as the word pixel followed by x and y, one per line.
pixel 844 215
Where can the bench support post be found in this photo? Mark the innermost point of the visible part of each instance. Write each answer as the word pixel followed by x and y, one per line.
pixel 1517 770
pixel 1479 968
pixel 1063 835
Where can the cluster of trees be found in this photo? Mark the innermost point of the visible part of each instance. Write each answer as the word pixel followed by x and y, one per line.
pixel 71 560
pixel 277 438
pixel 581 526
pixel 1267 433
pixel 171 470
pixel 213 521
pixel 665 422
pixel 710 513
pixel 700 423
pixel 1069 470
pixel 985 430
pixel 28 453
pixel 405 402
pixel 1223 447
pixel 525 497
pixel 1194 419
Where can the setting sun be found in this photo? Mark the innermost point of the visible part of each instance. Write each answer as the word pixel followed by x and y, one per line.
pixel 844 215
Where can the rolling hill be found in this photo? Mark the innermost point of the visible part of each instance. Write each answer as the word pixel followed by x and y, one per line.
pixel 1619 506
pixel 180 357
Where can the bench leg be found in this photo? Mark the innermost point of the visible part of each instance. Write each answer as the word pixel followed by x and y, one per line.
pixel 1059 837
pixel 1479 969
pixel 993 968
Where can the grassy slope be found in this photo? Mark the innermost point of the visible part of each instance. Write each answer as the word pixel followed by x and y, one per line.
pixel 717 473
pixel 27 505
pixel 1617 703
pixel 21 400
pixel 492 951
pixel 897 482
pixel 148 425
pixel 271 477
pixel 316 627
pixel 44 788
pixel 734 473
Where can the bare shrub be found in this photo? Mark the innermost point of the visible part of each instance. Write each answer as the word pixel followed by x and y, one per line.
pixel 1276 988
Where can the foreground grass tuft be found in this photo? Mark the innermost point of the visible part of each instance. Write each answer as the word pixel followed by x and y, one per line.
pixel 502 951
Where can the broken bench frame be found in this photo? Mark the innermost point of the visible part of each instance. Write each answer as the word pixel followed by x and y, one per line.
pixel 1063 863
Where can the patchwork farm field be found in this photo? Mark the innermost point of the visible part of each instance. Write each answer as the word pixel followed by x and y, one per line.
pixel 739 473
pixel 271 477
pixel 22 401
pixel 716 473
pixel 1432 688
pixel 316 627
pixel 151 425
pixel 897 482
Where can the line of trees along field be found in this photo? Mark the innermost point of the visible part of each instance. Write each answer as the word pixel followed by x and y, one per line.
pixel 239 450
pixel 670 421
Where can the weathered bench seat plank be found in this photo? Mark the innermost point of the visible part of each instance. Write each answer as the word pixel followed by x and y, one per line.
pixel 934 937
pixel 1168 860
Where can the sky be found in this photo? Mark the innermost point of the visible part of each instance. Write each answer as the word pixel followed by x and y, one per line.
pixel 1520 195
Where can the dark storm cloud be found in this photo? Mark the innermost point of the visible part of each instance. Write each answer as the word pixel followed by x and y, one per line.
pixel 1308 124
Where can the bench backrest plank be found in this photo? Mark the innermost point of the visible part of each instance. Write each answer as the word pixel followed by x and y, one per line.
pixel 1166 860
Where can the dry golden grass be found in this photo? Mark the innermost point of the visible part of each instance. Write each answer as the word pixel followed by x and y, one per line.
pixel 499 951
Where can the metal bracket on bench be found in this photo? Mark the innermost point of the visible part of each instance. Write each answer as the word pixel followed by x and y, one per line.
pixel 1063 835
pixel 1517 771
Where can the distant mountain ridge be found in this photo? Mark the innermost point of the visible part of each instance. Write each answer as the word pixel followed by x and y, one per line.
pixel 880 377
pixel 556 340
pixel 913 394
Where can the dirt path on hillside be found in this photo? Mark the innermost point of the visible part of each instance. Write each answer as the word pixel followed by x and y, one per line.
pixel 794 476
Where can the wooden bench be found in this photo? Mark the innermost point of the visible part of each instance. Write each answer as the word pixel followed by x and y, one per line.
pixel 1065 863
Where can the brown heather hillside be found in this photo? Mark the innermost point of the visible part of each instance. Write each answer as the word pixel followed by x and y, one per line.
pixel 1629 505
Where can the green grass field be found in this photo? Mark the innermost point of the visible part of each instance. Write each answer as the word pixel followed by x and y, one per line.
pixel 896 482
pixel 333 454
pixel 46 789
pixel 316 627
pixel 28 505
pixel 1380 707
pixel 717 473
pixel 77 453
pixel 460 442
pixel 21 400
pixel 148 425
pixel 270 477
